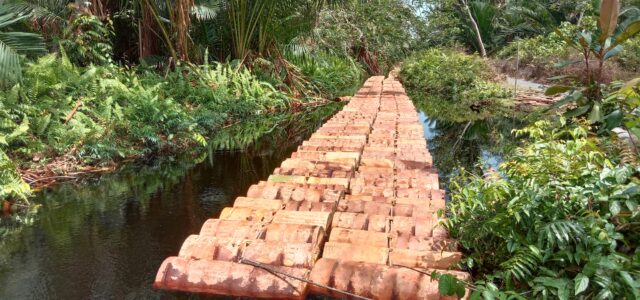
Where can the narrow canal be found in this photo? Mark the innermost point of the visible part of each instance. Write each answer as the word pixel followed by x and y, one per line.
pixel 105 238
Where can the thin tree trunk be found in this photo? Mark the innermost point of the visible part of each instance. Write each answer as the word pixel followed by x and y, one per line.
pixel 483 52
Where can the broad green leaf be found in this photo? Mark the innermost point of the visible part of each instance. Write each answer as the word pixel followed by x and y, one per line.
pixel 612 52
pixel 604 294
pixel 615 207
pixel 581 283
pixel 476 295
pixel 577 111
pixel 628 279
pixel 585 40
pixel 557 89
pixel 632 191
pixel 614 119
pixel 627 33
pixel 460 290
pixel 631 205
pixel 450 286
pixel 487 295
pixel 596 114
pixel 445 285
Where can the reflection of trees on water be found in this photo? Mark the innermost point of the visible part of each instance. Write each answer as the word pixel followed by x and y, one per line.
pixel 463 144
pixel 451 150
pixel 119 227
pixel 173 184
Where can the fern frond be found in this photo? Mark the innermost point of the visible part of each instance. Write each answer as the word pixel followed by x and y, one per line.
pixel 561 233
pixel 523 264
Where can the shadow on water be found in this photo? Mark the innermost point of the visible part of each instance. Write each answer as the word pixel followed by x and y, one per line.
pixel 476 143
pixel 105 237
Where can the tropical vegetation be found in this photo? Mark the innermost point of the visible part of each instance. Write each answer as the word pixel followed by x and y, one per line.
pixel 89 85
pixel 558 218
pixel 454 86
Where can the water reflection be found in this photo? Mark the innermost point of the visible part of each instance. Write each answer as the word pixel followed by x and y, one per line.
pixel 476 145
pixel 105 238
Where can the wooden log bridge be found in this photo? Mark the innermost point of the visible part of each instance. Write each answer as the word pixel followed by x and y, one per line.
pixel 352 214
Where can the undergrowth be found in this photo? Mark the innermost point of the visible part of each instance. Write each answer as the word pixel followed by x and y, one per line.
pixel 561 222
pixel 124 112
pixel 100 114
pixel 333 75
pixel 453 86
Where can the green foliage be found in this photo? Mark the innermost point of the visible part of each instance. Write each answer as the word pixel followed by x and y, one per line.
pixel 449 285
pixel 599 44
pixel 11 185
pixel 87 40
pixel 333 75
pixel 448 78
pixel 273 130
pixel 622 107
pixel 562 222
pixel 377 33
pixel 124 113
pixel 499 22
pixel 13 43
pixel 540 49
pixel 629 57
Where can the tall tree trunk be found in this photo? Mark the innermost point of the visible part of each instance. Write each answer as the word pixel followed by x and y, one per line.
pixel 98 9
pixel 483 52
pixel 182 23
pixel 148 39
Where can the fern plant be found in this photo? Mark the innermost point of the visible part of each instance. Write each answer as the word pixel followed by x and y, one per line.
pixel 87 40
pixel 11 184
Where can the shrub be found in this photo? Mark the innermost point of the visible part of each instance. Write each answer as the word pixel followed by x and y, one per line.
pixel 333 75
pixel 561 222
pixel 540 49
pixel 629 57
pixel 446 78
pixel 87 40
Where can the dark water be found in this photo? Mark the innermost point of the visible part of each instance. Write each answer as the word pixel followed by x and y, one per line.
pixel 106 237
pixel 476 146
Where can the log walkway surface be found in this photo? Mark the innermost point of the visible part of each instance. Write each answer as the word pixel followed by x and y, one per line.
pixel 352 214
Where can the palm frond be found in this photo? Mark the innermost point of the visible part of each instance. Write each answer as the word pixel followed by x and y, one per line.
pixel 44 10
pixel 13 44
pixel 9 65
pixel 206 10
